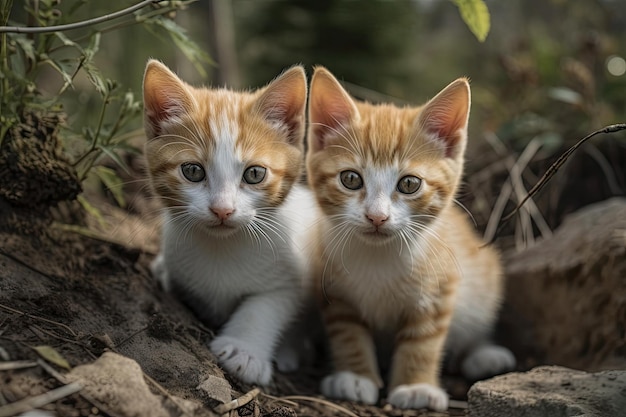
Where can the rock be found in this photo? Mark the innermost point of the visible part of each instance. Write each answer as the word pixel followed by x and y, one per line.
pixel 550 391
pixel 118 382
pixel 216 388
pixel 565 295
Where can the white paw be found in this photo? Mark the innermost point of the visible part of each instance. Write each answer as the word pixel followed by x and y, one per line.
pixel 287 358
pixel 486 361
pixel 238 359
pixel 347 385
pixel 419 396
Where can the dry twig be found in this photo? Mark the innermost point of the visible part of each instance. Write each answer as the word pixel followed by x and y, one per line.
pixel 7 366
pixel 56 323
pixel 31 403
pixel 237 402
pixel 326 403
pixel 558 164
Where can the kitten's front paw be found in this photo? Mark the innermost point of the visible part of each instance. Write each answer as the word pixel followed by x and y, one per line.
pixel 347 385
pixel 419 396
pixel 486 361
pixel 238 359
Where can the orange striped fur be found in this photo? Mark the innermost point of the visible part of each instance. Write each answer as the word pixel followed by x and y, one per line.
pixel 225 165
pixel 391 262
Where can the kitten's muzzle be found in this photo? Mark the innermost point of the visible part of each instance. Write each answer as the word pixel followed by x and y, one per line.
pixel 222 213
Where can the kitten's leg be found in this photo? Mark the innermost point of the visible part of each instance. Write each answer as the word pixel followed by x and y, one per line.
pixel 159 272
pixel 417 360
pixel 486 360
pixel 246 343
pixel 356 375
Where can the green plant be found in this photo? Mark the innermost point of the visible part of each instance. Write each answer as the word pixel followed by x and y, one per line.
pixel 45 42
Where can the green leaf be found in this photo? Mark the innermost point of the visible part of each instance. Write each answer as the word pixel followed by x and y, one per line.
pixel 188 47
pixel 93 73
pixel 51 355
pixel 114 183
pixel 476 16
pixel 5 11
pixel 26 45
pixel 115 157
pixel 92 210
pixel 63 69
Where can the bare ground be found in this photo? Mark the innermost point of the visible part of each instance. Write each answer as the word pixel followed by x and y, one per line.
pixel 83 293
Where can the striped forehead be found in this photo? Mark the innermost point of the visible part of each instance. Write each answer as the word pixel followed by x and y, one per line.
pixel 385 133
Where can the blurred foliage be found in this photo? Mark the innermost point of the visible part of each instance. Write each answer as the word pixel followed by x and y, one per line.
pixel 476 15
pixel 541 76
pixel 41 68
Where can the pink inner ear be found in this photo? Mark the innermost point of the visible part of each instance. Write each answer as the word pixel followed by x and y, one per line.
pixel 445 116
pixel 330 110
pixel 446 128
pixel 284 102
pixel 164 95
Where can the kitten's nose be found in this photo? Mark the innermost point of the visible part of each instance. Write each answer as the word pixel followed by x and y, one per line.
pixel 222 213
pixel 377 219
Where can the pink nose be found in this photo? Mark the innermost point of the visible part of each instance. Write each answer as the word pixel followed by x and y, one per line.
pixel 377 219
pixel 222 213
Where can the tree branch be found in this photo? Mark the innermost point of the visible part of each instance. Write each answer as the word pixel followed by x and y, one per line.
pixel 78 25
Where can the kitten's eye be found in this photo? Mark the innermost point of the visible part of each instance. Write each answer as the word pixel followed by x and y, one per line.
pixel 409 184
pixel 351 180
pixel 254 174
pixel 193 172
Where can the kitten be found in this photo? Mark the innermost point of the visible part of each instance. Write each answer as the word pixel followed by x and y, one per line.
pixel 225 165
pixel 395 257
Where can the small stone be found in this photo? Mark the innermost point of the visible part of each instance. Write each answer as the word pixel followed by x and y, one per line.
pixel 216 388
pixel 550 391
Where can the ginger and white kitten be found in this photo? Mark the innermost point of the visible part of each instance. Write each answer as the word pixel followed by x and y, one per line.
pixel 397 261
pixel 225 165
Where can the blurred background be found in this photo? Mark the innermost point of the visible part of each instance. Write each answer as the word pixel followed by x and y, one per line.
pixel 548 73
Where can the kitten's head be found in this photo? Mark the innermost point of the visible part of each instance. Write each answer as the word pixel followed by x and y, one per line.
pixel 379 171
pixel 218 158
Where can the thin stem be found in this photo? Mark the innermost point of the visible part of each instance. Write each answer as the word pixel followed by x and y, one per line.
pixel 94 141
pixel 556 165
pixel 122 24
pixel 4 59
pixel 78 25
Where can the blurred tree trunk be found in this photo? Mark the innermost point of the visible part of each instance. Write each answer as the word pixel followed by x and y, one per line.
pixel 222 41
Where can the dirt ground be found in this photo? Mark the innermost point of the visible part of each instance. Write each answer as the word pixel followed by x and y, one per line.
pixel 87 290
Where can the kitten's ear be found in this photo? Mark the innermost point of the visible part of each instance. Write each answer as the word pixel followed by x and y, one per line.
pixel 165 96
pixel 331 109
pixel 446 117
pixel 283 102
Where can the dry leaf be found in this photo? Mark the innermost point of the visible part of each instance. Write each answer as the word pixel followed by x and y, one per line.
pixel 51 355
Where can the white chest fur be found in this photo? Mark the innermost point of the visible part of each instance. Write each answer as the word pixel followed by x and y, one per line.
pixel 215 273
